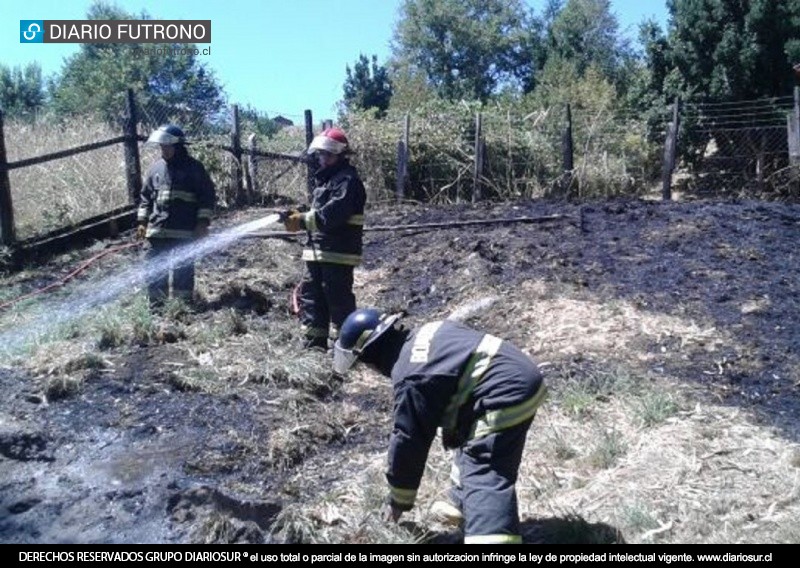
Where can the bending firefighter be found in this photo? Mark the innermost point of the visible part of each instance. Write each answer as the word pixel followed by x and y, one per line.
pixel 334 246
pixel 176 204
pixel 481 391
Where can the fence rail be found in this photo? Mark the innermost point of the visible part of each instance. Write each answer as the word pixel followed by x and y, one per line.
pixel 457 155
pixel 130 139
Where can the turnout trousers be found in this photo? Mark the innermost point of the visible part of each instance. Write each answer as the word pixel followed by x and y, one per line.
pixel 326 299
pixel 161 264
pixel 485 475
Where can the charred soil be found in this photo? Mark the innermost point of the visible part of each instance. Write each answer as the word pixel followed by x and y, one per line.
pixel 210 424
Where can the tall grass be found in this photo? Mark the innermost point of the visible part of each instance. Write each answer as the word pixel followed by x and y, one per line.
pixel 58 193
pixel 613 155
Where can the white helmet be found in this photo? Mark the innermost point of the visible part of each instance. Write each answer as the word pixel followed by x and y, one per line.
pixel 167 134
pixel 331 140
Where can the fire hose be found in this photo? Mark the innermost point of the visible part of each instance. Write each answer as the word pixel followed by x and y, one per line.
pixel 419 227
pixel 286 234
pixel 61 281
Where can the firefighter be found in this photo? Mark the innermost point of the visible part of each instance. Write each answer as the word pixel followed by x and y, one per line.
pixel 175 207
pixel 334 225
pixel 479 391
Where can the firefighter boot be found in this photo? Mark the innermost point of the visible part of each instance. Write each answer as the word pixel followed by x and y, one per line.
pixel 447 513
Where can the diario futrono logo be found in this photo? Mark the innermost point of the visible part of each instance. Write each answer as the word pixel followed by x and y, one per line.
pixel 31 31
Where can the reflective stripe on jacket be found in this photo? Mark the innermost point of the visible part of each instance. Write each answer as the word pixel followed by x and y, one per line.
pixel 336 218
pixel 463 381
pixel 176 194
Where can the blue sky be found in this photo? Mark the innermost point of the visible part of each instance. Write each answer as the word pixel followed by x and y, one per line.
pixel 280 56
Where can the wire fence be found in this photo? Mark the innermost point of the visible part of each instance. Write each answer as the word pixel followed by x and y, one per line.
pixel 444 155
pixel 739 149
pixel 615 153
pixel 522 153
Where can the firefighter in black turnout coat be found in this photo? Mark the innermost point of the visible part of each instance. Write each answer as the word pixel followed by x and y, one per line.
pixel 175 207
pixel 334 246
pixel 480 391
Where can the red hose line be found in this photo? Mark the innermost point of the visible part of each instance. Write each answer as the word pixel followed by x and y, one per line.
pixel 71 275
pixel 295 301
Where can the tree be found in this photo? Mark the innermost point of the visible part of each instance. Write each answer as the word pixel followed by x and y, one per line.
pixel 463 48
pixel 255 121
pixel 366 87
pixel 410 88
pixel 586 32
pixel 173 87
pixel 726 50
pixel 21 90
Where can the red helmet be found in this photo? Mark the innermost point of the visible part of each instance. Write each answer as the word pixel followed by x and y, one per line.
pixel 331 140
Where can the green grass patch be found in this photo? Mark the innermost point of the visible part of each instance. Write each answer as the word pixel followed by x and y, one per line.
pixel 653 408
pixel 609 448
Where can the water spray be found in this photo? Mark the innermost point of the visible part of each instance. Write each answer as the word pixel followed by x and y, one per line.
pixel 81 301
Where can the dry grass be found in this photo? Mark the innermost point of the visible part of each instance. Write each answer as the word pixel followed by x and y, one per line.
pixel 624 449
pixel 62 370
pixel 620 452
pixel 612 155
pixel 60 192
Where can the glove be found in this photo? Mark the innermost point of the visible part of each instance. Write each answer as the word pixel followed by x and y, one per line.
pixel 201 230
pixel 390 513
pixel 141 231
pixel 294 222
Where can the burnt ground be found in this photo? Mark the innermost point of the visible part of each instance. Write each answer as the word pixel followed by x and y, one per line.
pixel 212 425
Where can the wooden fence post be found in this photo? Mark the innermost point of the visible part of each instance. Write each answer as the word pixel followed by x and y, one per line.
pixel 328 123
pixel 6 207
pixel 761 158
pixel 509 156
pixel 478 168
pixel 309 138
pixel 133 167
pixel 793 139
pixel 793 130
pixel 567 153
pixel 252 166
pixel 236 169
pixel 246 170
pixel 402 160
pixel 670 151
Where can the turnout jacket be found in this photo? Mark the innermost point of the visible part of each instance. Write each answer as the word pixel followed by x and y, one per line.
pixel 468 383
pixel 336 218
pixel 176 195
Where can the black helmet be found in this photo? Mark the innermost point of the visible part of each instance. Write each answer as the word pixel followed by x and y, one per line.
pixel 167 134
pixel 360 330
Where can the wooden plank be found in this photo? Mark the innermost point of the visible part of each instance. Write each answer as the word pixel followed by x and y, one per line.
pixel 260 153
pixel 61 154
pixel 793 129
pixel 670 152
pixel 93 220
pixel 47 245
pixel 252 166
pixel 793 139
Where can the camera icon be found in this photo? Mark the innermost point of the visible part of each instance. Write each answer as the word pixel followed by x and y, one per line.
pixel 31 31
